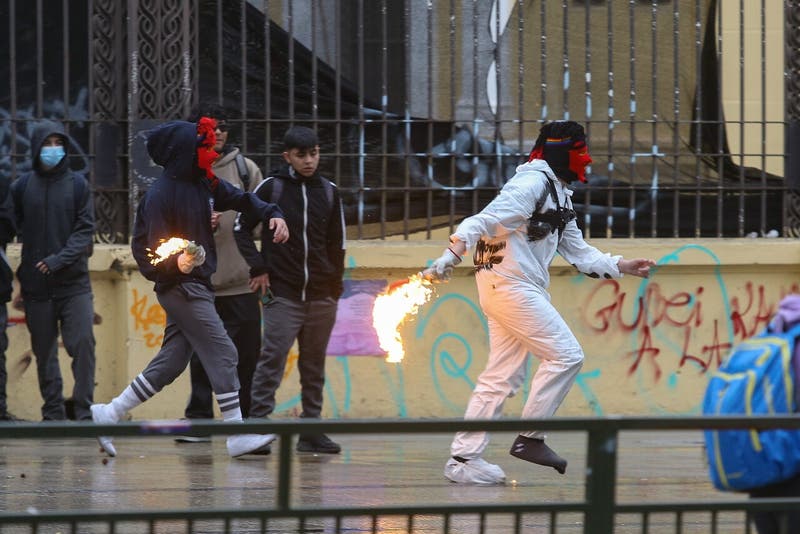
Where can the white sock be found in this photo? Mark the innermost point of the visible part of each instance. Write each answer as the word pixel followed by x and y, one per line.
pixel 132 396
pixel 229 406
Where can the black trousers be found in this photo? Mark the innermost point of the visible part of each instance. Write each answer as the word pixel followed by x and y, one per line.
pixel 241 316
pixel 778 522
pixel 3 348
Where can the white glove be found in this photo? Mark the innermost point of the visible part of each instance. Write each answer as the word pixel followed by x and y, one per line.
pixel 193 256
pixel 442 268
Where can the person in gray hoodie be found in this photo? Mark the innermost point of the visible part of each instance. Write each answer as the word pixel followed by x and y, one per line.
pixel 55 222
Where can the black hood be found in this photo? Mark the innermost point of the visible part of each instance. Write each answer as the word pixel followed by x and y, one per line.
pixel 173 145
pixel 42 131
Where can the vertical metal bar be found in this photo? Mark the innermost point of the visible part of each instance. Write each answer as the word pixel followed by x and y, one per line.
pixel 429 192
pixel 90 84
pixel 633 108
pixel 543 59
pixel 742 122
pixel 520 78
pixel 338 91
pixel 587 213
pixel 12 82
pixel 611 113
pixel 498 115
pixel 676 119
pixel 601 472
pixel 720 153
pixel 764 130
pixel 654 116
pixel 65 62
pixel 285 472
pixel 361 125
pixel 698 109
pixel 384 103
pixel 565 82
pixel 314 70
pixel 290 25
pixel 220 60
pixel 268 124
pixel 39 59
pixel 409 152
pixel 243 72
pixel 452 182
pixel 475 114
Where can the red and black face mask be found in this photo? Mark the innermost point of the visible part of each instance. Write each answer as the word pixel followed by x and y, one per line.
pixel 567 157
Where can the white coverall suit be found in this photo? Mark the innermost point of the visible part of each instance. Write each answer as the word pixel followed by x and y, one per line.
pixel 512 286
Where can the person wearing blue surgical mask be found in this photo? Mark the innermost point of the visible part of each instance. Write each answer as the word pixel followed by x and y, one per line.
pixel 54 218
pixel 52 152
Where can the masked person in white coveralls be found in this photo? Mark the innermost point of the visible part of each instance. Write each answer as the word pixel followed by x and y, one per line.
pixel 515 239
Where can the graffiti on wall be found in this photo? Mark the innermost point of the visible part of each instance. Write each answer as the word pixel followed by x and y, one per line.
pixel 660 342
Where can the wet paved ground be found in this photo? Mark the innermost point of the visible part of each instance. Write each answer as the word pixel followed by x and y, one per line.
pixel 157 473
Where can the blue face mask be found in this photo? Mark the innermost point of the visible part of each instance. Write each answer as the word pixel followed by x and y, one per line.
pixel 50 156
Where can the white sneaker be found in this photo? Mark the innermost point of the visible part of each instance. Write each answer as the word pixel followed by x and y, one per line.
pixel 474 471
pixel 103 414
pixel 241 444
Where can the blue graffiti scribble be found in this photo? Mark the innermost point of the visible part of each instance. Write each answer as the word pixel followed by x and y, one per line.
pixel 397 390
pixel 588 393
pixel 450 368
pixel 444 360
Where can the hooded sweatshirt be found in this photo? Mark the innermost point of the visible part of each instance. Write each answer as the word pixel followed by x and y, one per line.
pixel 179 204
pixel 53 226
pixel 233 273
pixel 787 316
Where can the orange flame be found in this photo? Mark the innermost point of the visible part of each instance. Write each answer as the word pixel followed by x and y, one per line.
pixel 167 248
pixel 393 307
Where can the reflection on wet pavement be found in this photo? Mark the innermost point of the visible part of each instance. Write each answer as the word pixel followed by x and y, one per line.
pixel 157 473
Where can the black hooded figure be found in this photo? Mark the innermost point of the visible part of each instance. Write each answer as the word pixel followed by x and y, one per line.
pixel 55 221
pixel 179 205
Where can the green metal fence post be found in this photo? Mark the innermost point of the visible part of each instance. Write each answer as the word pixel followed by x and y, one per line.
pixel 601 473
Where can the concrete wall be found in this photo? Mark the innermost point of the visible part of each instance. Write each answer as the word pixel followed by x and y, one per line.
pixel 649 345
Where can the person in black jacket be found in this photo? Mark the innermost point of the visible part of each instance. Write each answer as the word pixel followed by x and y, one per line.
pixel 300 282
pixel 179 205
pixel 7 232
pixel 55 220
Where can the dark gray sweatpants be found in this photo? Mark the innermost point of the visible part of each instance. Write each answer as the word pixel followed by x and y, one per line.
pixel 75 317
pixel 285 320
pixel 193 326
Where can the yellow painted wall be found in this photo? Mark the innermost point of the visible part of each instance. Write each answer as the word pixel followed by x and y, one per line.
pixel 649 344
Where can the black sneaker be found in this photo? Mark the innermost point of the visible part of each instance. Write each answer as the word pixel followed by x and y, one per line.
pixel 535 451
pixel 9 417
pixel 317 443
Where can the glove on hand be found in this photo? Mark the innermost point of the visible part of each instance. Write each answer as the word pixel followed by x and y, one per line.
pixel 193 256
pixel 442 268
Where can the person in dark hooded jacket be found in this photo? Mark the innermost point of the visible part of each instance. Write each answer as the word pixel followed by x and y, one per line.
pixel 55 220
pixel 300 282
pixel 179 204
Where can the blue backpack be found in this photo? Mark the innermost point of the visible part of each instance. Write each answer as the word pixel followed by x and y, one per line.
pixel 756 379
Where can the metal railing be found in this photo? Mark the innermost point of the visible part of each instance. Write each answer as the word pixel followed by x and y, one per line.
pixel 425 108
pixel 598 509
